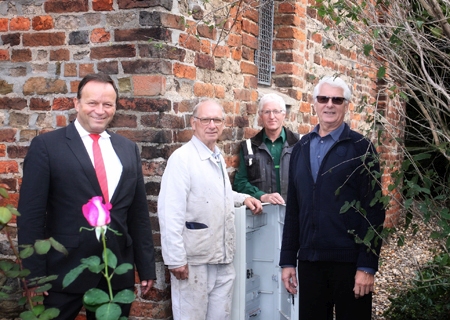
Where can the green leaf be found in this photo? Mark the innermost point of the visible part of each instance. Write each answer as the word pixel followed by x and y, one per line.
pixel 5 215
pixel 42 246
pixel 95 297
pixel 109 311
pixel 381 72
pixel 28 315
pixel 38 309
pixel 96 269
pixel 58 246
pixel 4 193
pixel 125 296
pixel 110 258
pixel 367 49
pixel 6 265
pixel 123 268
pixel 43 288
pixel 72 275
pixel 91 261
pixel 50 313
pixel 26 252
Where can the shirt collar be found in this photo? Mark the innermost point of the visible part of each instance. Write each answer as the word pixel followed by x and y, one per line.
pixel 335 134
pixel 83 132
pixel 282 135
pixel 216 153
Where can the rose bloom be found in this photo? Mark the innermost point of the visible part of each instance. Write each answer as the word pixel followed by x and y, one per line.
pixel 97 214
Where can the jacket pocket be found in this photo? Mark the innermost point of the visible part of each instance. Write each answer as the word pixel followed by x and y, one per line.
pixel 196 242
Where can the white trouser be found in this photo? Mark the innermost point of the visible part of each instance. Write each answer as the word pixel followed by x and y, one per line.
pixel 205 295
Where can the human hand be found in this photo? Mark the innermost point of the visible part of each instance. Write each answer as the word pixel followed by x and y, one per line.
pixel 253 204
pixel 273 198
pixel 146 285
pixel 363 283
pixel 289 278
pixel 180 273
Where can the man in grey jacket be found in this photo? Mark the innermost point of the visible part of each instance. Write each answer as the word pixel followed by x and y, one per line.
pixel 196 215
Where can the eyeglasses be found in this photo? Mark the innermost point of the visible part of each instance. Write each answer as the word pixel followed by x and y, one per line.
pixel 206 121
pixel 275 112
pixel 334 100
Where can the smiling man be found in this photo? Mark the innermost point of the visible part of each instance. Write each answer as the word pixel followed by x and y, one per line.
pixel 331 166
pixel 196 215
pixel 60 175
pixel 264 159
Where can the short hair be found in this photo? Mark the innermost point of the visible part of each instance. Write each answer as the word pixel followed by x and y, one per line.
pixel 97 77
pixel 195 110
pixel 271 97
pixel 336 82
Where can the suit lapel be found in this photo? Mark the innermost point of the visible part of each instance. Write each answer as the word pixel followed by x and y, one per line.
pixel 79 150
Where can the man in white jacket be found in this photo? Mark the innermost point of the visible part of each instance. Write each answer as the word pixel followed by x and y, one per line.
pixel 196 216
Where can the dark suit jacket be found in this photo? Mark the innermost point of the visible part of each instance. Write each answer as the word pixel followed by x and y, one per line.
pixel 58 179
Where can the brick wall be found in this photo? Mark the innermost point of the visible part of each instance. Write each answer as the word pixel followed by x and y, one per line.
pixel 47 46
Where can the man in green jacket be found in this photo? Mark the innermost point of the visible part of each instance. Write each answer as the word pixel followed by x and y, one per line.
pixel 264 159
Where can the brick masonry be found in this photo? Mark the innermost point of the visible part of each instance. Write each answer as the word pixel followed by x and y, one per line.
pixel 163 61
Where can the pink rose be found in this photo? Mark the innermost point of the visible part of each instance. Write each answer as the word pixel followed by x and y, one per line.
pixel 97 214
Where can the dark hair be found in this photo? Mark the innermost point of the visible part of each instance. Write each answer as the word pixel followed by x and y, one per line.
pixel 97 77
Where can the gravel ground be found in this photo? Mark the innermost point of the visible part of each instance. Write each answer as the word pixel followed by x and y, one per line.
pixel 398 265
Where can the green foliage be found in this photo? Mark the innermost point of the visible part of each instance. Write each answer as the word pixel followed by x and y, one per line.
pixel 428 298
pixel 14 269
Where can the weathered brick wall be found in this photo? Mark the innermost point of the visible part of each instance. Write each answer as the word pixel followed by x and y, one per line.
pixel 47 46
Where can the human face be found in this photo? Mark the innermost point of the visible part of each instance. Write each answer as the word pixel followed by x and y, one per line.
pixel 209 133
pixel 331 116
pixel 272 122
pixel 96 107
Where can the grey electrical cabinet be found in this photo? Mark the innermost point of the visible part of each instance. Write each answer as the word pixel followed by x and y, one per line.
pixel 259 293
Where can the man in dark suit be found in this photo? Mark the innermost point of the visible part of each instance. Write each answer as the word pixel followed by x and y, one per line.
pixel 59 178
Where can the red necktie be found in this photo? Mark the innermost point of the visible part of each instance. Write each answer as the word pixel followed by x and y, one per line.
pixel 100 167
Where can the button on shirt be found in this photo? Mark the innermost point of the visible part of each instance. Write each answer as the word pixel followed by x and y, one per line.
pixel 320 146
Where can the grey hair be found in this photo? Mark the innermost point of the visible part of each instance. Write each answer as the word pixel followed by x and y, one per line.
pixel 271 97
pixel 334 82
pixel 195 110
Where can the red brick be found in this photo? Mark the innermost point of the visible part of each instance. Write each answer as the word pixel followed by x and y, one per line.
pixel 250 82
pixel 60 55
pixel 204 61
pixel 219 91
pixel 221 51
pixel 63 104
pixel 100 35
pixel 207 31
pixel 236 53
pixel 286 7
pixel 167 121
pixel 9 167
pixel 39 104
pixel 149 85
pixel 184 71
pixel 61 121
pixel 41 85
pixel 21 55
pixel 148 135
pixel 4 55
pixel 144 104
pixel 64 6
pixel 286 44
pixel 189 42
pixel 250 41
pixel 42 23
pixel 286 68
pixel 250 27
pixel 249 68
pixel 102 5
pixel 204 89
pixel 17 152
pixel 114 51
pixel 19 23
pixel 70 70
pixel 234 40
pixel 205 46
pixel 85 69
pixel 291 33
pixel 74 86
pixel 13 200
pixel 242 95
pixel 13 103
pixel 3 24
pixel 124 120
pixel 44 39
pixel 2 150
pixel 251 14
pixel 289 20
